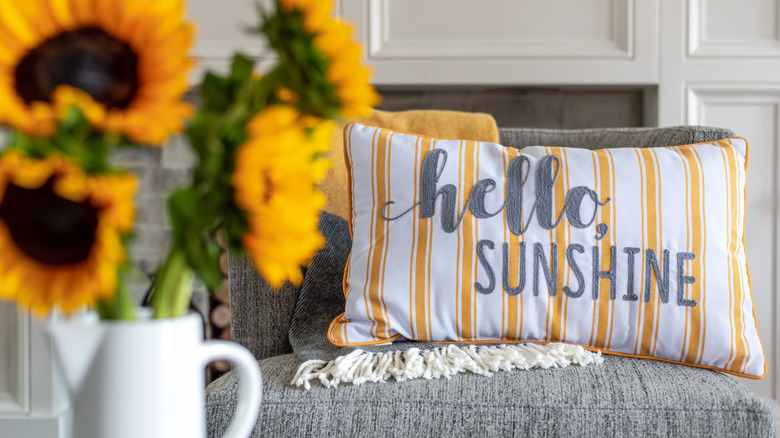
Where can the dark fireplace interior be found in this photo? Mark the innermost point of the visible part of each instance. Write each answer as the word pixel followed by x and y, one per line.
pixel 542 107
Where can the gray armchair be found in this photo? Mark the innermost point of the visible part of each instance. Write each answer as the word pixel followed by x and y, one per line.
pixel 621 397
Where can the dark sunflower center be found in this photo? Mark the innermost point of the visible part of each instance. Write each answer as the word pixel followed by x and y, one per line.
pixel 47 228
pixel 88 59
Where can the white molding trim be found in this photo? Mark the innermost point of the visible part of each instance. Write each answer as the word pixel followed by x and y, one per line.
pixel 17 401
pixel 620 45
pixel 216 55
pixel 698 93
pixel 57 426
pixel 700 47
pixel 253 47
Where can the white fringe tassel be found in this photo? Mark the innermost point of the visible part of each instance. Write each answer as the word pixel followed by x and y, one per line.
pixel 362 366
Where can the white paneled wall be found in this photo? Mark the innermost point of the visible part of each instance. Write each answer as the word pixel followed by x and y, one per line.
pixel 525 42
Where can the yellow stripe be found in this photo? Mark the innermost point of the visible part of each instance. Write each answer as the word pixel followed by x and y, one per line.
pixel 643 202
pixel 738 174
pixel 429 289
pixel 593 324
pixel 654 342
pixel 688 263
pixel 420 254
pixel 732 334
pixel 385 315
pixel 474 293
pixel 373 248
pixel 504 295
pixel 613 237
pixel 741 221
pixel 459 251
pixel 376 283
pixel 654 242
pixel 514 328
pixel 698 247
pixel 741 347
pixel 415 241
pixel 468 266
pixel 568 271
pixel 560 240
pixel 415 237
pixel 703 265
pixel 605 216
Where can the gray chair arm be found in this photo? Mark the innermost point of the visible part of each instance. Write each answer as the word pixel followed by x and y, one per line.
pixel 611 137
pixel 260 316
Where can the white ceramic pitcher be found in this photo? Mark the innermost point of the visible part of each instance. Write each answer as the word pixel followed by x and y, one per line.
pixel 146 378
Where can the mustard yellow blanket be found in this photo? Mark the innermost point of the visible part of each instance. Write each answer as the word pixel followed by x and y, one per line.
pixel 452 125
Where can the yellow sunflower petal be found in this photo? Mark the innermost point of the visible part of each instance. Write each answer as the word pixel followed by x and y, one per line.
pixel 82 12
pixel 38 14
pixel 65 96
pixel 60 11
pixel 14 21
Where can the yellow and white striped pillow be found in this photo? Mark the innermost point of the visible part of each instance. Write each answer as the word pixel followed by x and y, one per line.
pixel 461 241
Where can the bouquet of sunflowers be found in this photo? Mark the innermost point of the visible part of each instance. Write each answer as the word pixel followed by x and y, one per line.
pixel 81 78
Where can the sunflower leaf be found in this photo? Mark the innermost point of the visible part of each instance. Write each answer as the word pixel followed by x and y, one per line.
pixel 206 263
pixel 241 69
pixel 181 206
pixel 203 130
pixel 191 215
pixel 215 92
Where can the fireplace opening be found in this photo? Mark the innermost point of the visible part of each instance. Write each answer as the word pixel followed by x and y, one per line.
pixel 534 107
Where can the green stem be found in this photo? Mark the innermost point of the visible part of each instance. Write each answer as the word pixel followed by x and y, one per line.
pixel 173 286
pixel 121 307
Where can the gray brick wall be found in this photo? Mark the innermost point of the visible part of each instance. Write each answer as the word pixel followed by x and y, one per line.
pixel 159 171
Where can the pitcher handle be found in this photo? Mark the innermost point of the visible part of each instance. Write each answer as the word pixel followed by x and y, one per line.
pixel 250 384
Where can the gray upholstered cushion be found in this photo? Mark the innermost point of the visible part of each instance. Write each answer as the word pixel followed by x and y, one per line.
pixel 622 397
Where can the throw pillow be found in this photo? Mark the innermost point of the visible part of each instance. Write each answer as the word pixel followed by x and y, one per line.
pixel 632 251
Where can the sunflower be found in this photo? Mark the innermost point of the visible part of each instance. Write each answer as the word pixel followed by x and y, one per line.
pixel 129 58
pixel 274 184
pixel 60 232
pixel 332 39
